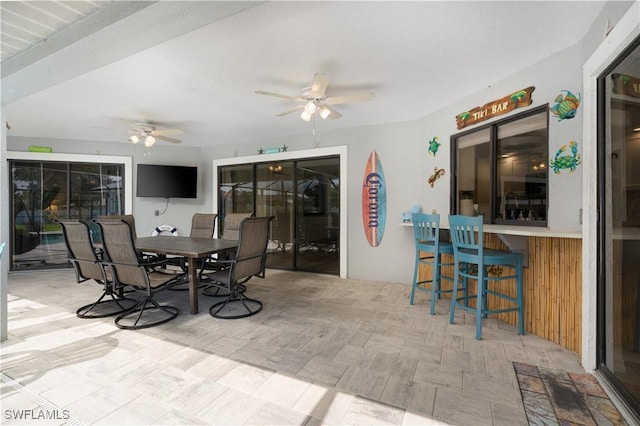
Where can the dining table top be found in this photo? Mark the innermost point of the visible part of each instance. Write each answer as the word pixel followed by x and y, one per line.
pixel 184 246
pixel 189 247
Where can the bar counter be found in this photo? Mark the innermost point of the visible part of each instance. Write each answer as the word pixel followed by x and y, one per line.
pixel 552 280
pixel 527 231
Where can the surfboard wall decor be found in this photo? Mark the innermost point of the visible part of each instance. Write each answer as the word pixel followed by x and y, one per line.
pixel 374 200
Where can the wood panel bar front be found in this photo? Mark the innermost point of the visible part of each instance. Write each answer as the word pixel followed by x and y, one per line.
pixel 552 288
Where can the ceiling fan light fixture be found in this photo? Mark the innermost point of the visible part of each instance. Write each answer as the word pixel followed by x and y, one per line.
pixel 305 115
pixel 324 112
pixel 311 107
pixel 134 138
pixel 149 141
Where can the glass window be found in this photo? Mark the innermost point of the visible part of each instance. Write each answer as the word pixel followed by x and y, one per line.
pixel 501 170
pixel 473 173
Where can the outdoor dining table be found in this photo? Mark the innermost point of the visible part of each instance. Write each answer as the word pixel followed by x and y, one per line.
pixel 190 248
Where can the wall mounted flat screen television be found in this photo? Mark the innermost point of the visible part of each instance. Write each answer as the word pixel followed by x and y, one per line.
pixel 161 181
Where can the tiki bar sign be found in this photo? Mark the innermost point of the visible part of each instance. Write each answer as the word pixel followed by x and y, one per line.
pixel 519 99
pixel 626 85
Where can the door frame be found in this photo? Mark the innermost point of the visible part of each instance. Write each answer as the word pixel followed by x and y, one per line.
pixel 617 41
pixel 340 151
pixel 620 37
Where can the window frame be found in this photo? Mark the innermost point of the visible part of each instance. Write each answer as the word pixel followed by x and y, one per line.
pixel 493 165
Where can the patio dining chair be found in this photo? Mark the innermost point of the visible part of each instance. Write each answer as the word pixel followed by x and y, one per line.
pixel 230 227
pixel 429 251
pixel 249 261
pixel 472 261
pixel 86 261
pixel 131 220
pixel 203 225
pixel 129 269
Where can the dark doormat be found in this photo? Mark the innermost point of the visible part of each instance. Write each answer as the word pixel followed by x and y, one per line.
pixel 555 397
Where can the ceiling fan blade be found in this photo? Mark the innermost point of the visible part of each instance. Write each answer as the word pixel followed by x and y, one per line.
pixel 319 85
pixel 361 97
pixel 278 95
pixel 289 111
pixel 167 131
pixel 166 138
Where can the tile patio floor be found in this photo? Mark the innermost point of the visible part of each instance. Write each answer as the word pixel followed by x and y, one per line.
pixel 322 351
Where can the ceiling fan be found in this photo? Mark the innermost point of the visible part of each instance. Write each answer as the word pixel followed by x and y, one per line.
pixel 314 99
pixel 150 133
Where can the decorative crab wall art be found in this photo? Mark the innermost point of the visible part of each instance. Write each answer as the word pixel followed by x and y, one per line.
pixel 567 161
pixel 565 106
pixel 437 173
pixel 434 145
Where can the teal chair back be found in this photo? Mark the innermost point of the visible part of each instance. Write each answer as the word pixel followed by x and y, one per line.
pixel 426 229
pixel 467 235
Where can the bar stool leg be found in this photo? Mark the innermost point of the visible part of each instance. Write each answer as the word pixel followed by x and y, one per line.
pixel 481 300
pixel 415 277
pixel 465 284
pixel 435 282
pixel 520 295
pixel 454 294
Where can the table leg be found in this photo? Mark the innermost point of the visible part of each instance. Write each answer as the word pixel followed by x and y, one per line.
pixel 193 285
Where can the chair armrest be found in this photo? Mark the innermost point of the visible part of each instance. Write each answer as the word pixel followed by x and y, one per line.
pixel 110 263
pixel 217 264
pixel 154 263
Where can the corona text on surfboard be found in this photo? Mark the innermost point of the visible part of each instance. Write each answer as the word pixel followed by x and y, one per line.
pixel 373 183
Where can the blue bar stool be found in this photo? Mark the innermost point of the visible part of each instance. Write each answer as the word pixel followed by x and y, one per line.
pixel 468 250
pixel 426 231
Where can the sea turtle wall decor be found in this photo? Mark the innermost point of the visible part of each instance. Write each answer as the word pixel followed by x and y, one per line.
pixel 434 145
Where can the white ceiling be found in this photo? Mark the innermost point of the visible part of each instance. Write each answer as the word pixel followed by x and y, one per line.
pixel 196 65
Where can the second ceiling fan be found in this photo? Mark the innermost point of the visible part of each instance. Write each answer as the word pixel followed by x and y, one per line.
pixel 313 98
pixel 148 133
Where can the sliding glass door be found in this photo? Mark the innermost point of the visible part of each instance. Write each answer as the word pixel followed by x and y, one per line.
pixel 303 196
pixel 318 215
pixel 619 233
pixel 275 196
pixel 45 191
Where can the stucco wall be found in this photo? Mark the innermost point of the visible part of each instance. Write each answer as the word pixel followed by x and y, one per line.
pixel 402 148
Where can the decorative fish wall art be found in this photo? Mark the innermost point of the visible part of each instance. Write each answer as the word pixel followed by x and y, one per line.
pixel 434 145
pixel 566 105
pixel 566 161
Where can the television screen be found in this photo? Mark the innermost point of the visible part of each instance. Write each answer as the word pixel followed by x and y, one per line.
pixel 154 180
